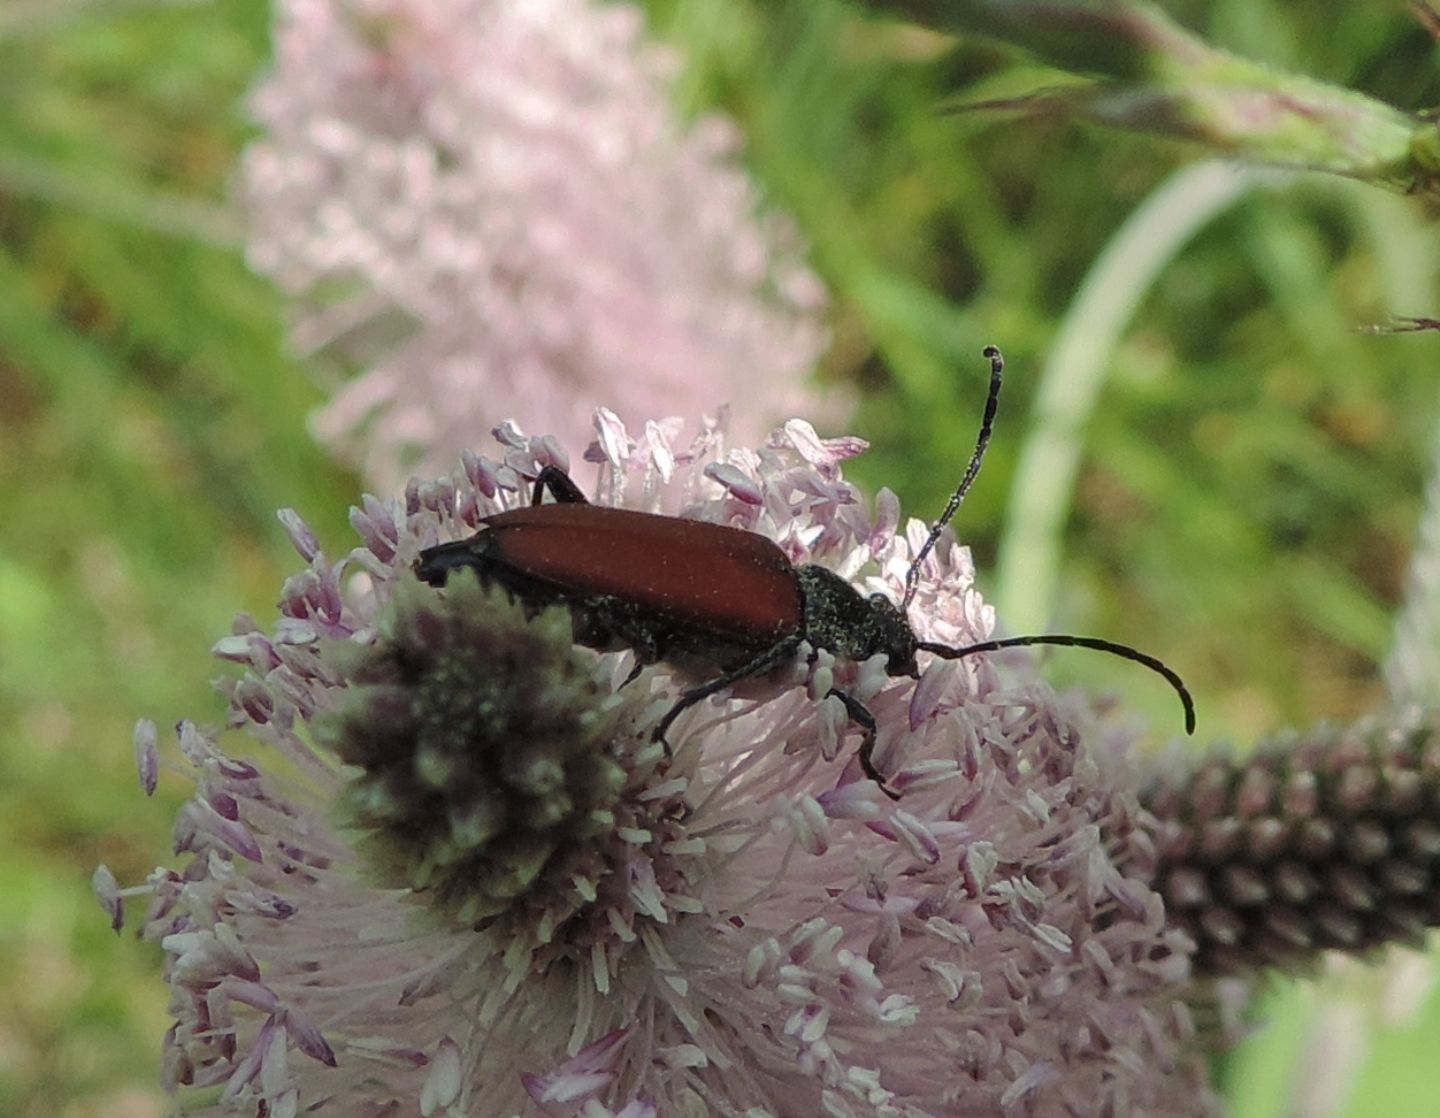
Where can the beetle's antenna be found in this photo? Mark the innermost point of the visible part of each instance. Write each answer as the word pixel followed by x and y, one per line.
pixel 987 423
pixel 1122 650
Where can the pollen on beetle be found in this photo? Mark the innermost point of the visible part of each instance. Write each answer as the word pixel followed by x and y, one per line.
pixel 487 753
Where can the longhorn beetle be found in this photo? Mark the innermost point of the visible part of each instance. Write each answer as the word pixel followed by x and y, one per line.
pixel 715 600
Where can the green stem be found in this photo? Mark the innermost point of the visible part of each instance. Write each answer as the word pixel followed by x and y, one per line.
pixel 1041 494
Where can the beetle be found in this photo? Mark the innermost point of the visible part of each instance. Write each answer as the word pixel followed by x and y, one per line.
pixel 714 600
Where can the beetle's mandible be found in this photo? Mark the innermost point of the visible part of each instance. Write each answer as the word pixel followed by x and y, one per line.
pixel 715 600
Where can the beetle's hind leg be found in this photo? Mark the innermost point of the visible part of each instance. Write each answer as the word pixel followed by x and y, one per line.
pixel 860 713
pixel 634 674
pixel 562 487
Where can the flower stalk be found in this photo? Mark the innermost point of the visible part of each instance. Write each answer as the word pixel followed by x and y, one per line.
pixel 1149 74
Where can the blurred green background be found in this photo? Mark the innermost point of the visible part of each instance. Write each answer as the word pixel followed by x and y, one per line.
pixel 1245 508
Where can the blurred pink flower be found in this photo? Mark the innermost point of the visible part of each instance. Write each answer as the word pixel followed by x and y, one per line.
pixel 491 209
pixel 747 927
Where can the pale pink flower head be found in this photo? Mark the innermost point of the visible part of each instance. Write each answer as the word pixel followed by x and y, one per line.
pixel 491 208
pixel 460 878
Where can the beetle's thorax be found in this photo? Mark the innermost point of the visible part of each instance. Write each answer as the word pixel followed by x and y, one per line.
pixel 837 618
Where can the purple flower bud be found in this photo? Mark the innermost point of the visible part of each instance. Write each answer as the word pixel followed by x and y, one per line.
pixel 107 892
pixel 147 759
pixel 301 537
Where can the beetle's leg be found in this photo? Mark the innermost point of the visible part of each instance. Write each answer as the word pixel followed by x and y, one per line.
pixel 561 487
pixel 860 713
pixel 646 649
pixel 772 657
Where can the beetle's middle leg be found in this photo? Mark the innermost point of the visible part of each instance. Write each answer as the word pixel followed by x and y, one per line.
pixel 771 658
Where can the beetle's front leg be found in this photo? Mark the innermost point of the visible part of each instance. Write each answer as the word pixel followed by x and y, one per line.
pixel 860 713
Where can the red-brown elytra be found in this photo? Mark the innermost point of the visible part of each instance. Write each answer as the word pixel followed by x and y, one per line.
pixel 715 600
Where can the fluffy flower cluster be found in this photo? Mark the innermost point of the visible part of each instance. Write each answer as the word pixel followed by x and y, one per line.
pixel 490 205
pixel 746 926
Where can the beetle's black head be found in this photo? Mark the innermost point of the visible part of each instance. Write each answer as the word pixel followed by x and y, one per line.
pixel 838 619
